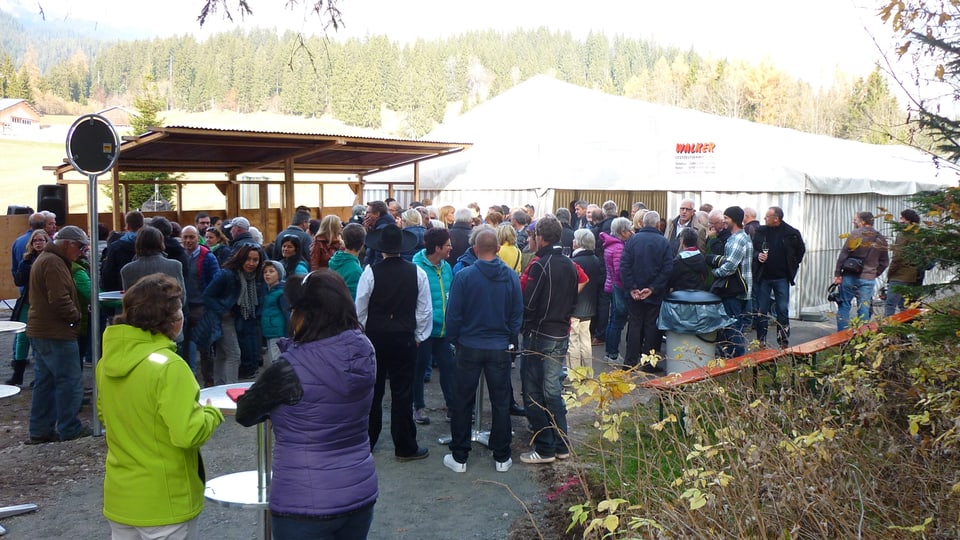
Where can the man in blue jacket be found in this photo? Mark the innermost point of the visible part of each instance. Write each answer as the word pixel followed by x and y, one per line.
pixel 484 312
pixel 645 266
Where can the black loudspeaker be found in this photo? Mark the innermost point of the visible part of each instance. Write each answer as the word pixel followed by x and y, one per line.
pixel 53 198
pixel 14 210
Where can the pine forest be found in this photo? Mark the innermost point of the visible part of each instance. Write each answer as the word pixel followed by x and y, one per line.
pixel 355 80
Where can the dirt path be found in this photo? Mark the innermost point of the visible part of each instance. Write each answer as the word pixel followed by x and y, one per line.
pixel 418 500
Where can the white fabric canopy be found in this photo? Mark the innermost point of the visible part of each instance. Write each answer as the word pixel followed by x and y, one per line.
pixel 544 134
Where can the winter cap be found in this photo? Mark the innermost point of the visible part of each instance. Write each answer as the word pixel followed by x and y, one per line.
pixel 72 232
pixel 735 213
pixel 279 267
pixel 241 222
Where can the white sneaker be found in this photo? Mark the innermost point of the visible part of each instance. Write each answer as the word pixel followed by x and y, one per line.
pixel 504 466
pixel 452 464
pixel 533 457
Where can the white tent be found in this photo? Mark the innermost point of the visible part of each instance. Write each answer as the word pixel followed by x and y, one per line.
pixel 547 134
pixel 545 137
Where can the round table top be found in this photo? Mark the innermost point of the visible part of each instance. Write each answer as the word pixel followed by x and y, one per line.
pixel 219 398
pixel 111 295
pixel 237 490
pixel 14 327
pixel 8 390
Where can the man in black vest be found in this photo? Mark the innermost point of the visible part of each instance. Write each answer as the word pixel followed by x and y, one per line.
pixel 397 316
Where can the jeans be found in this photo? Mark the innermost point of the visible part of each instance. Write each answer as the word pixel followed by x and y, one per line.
pixel 644 336
pixel 732 343
pixel 618 319
pixel 439 349
pixel 248 338
pixel 21 342
pixel 396 357
pixel 57 389
pixel 494 365
pixel 353 526
pixel 894 301
pixel 781 295
pixel 853 287
pixel 226 364
pixel 540 375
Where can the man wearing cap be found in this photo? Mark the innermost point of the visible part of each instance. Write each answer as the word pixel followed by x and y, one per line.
pixel 737 253
pixel 902 272
pixel 397 315
pixel 53 325
pixel 240 233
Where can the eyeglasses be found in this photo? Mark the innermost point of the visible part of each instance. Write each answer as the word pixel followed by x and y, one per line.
pixel 39 240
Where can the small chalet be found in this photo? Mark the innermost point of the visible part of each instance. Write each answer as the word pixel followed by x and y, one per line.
pixel 18 115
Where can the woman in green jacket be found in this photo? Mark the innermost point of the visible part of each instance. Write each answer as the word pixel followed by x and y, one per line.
pixel 148 402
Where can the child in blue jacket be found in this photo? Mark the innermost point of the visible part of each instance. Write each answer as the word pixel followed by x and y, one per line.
pixel 276 310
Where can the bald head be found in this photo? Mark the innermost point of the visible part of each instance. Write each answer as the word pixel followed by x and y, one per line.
pixel 486 245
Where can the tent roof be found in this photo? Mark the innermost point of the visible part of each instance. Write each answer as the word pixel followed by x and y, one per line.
pixel 189 149
pixel 544 133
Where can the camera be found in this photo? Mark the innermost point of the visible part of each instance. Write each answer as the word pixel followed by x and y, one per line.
pixel 833 293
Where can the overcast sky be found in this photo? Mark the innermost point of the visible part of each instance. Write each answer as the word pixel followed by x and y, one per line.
pixel 810 39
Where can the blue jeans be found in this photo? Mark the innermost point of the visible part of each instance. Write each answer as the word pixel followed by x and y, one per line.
pixel 57 388
pixel 853 287
pixel 494 364
pixel 733 344
pixel 541 376
pixel 781 296
pixel 618 319
pixel 894 302
pixel 353 526
pixel 435 348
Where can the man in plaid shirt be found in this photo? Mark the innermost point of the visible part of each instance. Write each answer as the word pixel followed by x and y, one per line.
pixel 737 253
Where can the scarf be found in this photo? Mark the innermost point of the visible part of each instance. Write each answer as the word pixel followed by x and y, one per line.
pixel 248 295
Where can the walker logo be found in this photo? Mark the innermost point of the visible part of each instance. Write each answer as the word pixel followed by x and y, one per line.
pixel 696 148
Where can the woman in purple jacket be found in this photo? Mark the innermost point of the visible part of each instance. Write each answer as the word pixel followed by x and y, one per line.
pixel 318 396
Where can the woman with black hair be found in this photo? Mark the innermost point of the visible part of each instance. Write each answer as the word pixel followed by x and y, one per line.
pixel 235 295
pixel 318 397
pixel 291 259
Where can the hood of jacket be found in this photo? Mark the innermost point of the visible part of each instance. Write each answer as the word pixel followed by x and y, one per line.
pixel 127 346
pixel 468 258
pixel 341 259
pixel 494 270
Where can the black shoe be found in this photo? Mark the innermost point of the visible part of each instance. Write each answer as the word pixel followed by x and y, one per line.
pixel 517 410
pixel 85 431
pixel 42 440
pixel 421 453
pixel 248 375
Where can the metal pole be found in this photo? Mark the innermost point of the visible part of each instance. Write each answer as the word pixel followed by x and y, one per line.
pixel 263 477
pixel 94 296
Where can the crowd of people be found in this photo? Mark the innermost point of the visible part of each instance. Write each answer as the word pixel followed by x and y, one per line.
pixel 329 313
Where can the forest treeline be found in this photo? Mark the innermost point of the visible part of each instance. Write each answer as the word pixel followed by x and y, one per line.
pixel 354 80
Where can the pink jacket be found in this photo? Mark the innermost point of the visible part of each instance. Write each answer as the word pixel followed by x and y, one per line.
pixel 612 249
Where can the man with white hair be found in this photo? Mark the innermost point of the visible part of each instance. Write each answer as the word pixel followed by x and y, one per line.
pixel 645 268
pixel 675 225
pixel 53 325
pixel 460 234
pixel 51 223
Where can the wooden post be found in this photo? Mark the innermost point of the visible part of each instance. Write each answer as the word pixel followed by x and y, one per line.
pixel 233 196
pixel 289 196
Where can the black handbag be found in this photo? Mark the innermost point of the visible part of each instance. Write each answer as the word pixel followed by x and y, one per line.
pixel 729 286
pixel 852 266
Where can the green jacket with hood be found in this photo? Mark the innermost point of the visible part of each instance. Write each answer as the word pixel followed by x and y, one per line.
pixel 148 401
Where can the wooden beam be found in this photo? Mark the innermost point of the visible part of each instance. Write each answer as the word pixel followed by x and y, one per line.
pixel 302 152
pixel 289 194
pixel 416 181
pixel 233 197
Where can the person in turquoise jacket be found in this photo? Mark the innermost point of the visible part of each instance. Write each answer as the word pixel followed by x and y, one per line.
pixel 276 309
pixel 437 348
pixel 148 401
pixel 347 262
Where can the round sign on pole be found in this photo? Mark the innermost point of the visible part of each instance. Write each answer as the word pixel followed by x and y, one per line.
pixel 92 145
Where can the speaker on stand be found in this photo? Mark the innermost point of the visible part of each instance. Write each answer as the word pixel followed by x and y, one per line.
pixel 53 198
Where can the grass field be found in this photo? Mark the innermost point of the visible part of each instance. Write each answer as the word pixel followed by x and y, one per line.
pixel 21 169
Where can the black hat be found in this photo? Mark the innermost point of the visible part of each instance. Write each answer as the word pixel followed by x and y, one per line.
pixel 735 213
pixel 910 215
pixel 391 240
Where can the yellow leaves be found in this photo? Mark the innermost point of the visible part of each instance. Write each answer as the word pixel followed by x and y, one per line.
pixel 854 243
pixel 670 419
pixel 610 505
pixel 697 499
pixel 617 383
pixel 938 73
pixel 917 420
pixel 913 528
